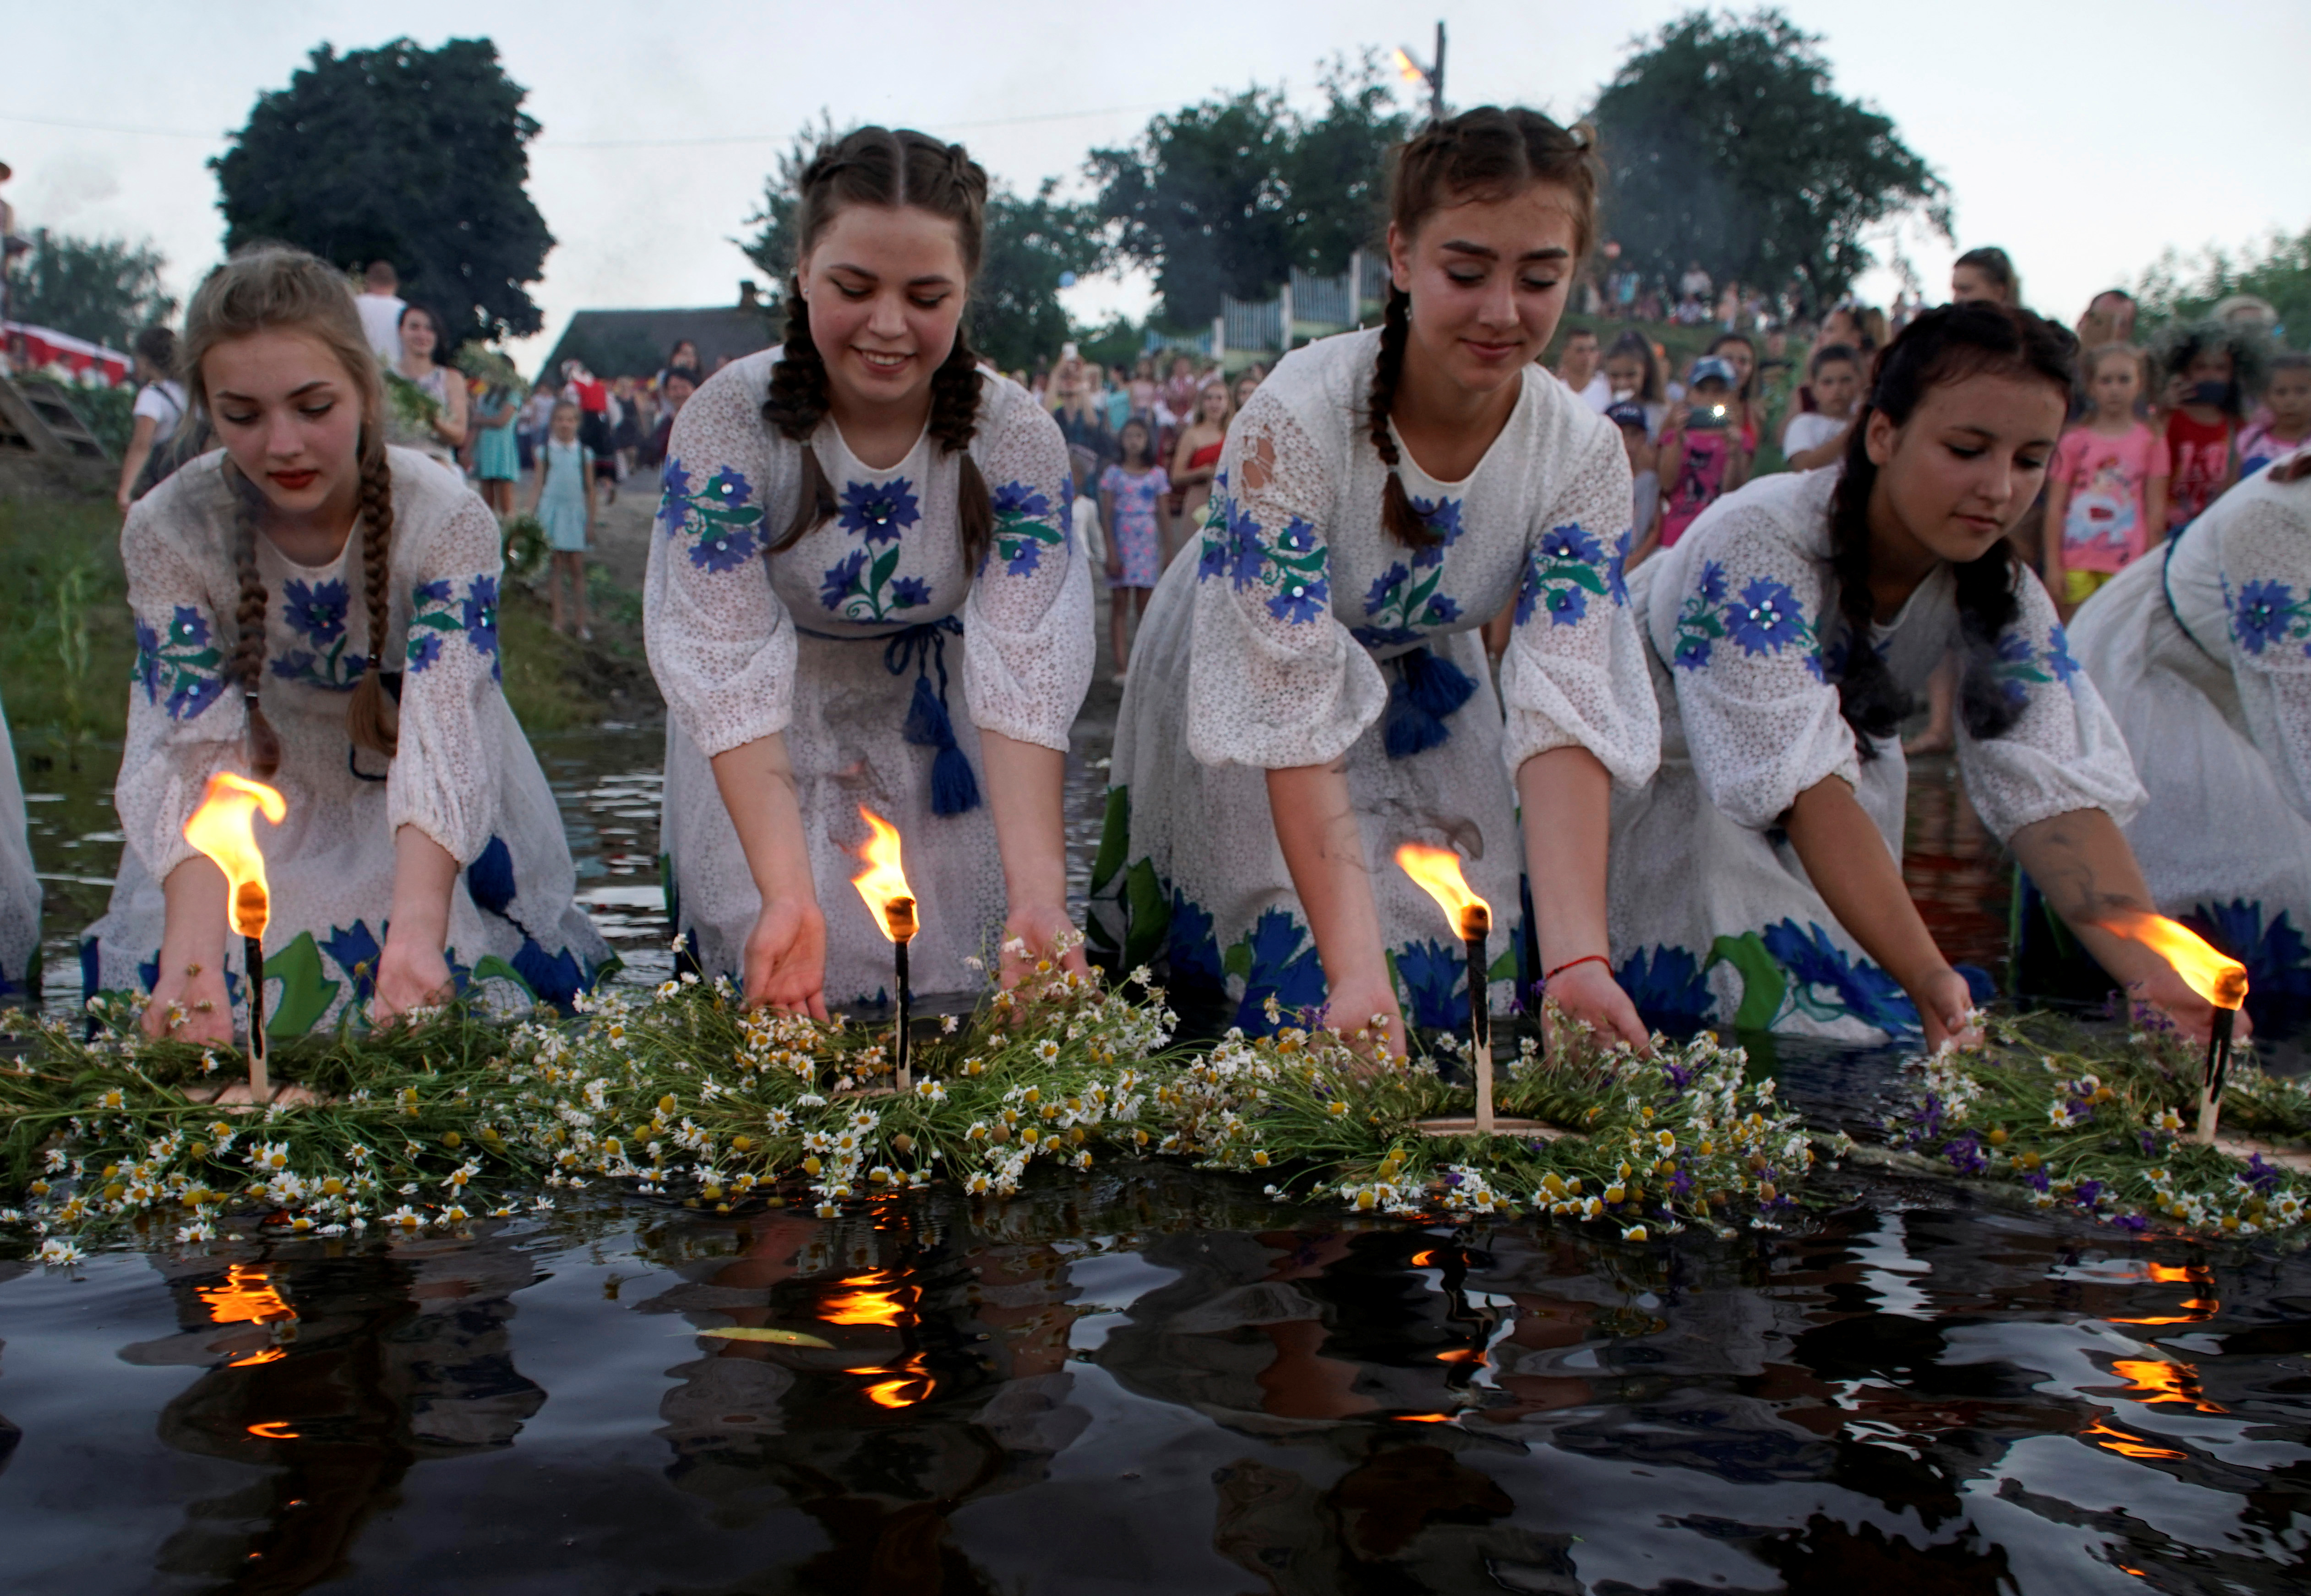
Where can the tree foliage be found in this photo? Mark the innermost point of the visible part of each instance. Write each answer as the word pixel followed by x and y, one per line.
pixel 1726 144
pixel 1225 196
pixel 401 153
pixel 1032 243
pixel 2278 269
pixel 103 290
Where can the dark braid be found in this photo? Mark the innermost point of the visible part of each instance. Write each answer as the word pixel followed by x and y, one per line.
pixel 1485 153
pixel 1946 344
pixel 263 744
pixel 372 719
pixel 879 167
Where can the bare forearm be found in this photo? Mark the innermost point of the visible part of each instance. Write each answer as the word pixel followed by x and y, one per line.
pixel 193 925
pixel 757 784
pixel 1567 798
pixel 424 873
pixel 1858 878
pixel 1026 790
pixel 1325 848
pixel 2083 867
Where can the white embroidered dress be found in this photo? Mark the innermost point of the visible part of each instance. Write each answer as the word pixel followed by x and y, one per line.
pixel 2203 652
pixel 1712 915
pixel 873 649
pixel 1301 633
pixel 19 887
pixel 465 775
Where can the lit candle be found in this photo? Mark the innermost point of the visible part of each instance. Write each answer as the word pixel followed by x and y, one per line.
pixel 225 829
pixel 2220 980
pixel 1437 872
pixel 883 885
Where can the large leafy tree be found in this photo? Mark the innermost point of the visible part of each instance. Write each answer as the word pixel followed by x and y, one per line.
pixel 2278 270
pixel 101 290
pixel 1726 144
pixel 1227 196
pixel 1034 245
pixel 401 153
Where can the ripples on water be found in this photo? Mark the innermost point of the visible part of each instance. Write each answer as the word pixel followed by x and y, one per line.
pixel 1150 1378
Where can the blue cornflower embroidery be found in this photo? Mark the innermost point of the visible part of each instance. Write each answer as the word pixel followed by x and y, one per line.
pixel 1235 546
pixel 1561 574
pixel 425 648
pixel 182 668
pixel 720 518
pixel 1769 618
pixel 838 581
pixel 1024 527
pixel 2266 614
pixel 879 512
pixel 2059 658
pixel 315 611
pixel 1443 517
pixel 437 614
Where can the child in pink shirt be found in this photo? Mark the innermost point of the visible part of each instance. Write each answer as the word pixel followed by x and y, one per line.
pixel 2107 486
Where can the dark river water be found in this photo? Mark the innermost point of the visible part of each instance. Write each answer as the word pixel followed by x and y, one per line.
pixel 1150 1378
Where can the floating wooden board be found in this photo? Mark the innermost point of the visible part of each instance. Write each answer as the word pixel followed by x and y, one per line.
pixel 1465 1125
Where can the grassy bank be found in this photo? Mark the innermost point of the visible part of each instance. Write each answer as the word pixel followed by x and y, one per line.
pixel 68 645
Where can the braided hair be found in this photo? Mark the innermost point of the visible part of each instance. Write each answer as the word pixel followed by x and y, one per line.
pixel 1946 344
pixel 1485 153
pixel 877 166
pixel 268 286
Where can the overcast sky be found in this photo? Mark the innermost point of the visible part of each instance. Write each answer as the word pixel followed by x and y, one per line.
pixel 2085 138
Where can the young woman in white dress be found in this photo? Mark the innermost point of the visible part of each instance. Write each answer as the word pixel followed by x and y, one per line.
pixel 2204 655
pixel 319 612
pixel 1312 691
pixel 1759 881
pixel 862 593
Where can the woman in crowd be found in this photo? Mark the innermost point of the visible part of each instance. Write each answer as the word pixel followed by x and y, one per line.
pixel 1196 460
pixel 159 407
pixel 1131 495
pixel 1739 351
pixel 2203 652
pixel 1985 274
pixel 319 611
pixel 1312 691
pixel 920 619
pixel 442 432
pixel 1812 439
pixel 2207 370
pixel 497 458
pixel 1759 880
pixel 1633 372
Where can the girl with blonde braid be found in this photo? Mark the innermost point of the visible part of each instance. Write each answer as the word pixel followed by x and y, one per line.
pixel 421 846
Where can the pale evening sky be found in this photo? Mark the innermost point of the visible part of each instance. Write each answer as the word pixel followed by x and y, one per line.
pixel 2083 138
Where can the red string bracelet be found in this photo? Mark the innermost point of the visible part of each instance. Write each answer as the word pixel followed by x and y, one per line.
pixel 1586 958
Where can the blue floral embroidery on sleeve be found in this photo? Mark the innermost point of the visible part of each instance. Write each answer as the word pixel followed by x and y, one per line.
pixel 879 512
pixel 1700 627
pixel 1562 572
pixel 437 614
pixel 1236 546
pixel 479 612
pixel 1023 527
pixel 181 669
pixel 2059 658
pixel 2266 615
pixel 2017 667
pixel 720 518
pixel 1768 619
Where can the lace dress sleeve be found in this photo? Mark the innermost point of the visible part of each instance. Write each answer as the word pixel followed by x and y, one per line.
pixel 1760 718
pixel 2267 565
pixel 186 720
pixel 1274 680
pixel 445 774
pixel 1027 622
pixel 1575 674
pixel 720 644
pixel 2065 752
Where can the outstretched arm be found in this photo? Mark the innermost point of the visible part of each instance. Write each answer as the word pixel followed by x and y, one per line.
pixel 1026 792
pixel 1566 796
pixel 1325 848
pixel 785 952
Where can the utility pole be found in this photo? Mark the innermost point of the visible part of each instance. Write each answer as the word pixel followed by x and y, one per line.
pixel 1432 73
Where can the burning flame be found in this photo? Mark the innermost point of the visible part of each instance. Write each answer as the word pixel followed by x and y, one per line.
pixel 1438 872
pixel 223 828
pixel 2220 980
pixel 883 884
pixel 1407 68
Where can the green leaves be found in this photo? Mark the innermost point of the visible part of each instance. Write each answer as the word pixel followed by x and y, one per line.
pixel 757 1332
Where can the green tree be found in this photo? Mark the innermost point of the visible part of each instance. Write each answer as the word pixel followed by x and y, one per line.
pixel 1336 168
pixel 401 153
pixel 104 290
pixel 1725 142
pixel 2278 269
pixel 1032 244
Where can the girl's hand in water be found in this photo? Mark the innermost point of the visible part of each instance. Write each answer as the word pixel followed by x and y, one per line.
pixel 1030 934
pixel 1352 1008
pixel 410 975
pixel 785 958
pixel 1945 1003
pixel 1588 992
pixel 194 998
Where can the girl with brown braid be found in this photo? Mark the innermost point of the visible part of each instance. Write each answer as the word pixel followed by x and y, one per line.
pixel 1312 691
pixel 862 595
pixel 1759 881
pixel 266 579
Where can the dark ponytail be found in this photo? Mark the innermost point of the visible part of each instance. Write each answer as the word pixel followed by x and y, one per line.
pixel 874 166
pixel 262 747
pixel 1487 152
pixel 1946 344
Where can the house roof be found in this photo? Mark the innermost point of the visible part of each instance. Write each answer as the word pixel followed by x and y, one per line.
pixel 635 343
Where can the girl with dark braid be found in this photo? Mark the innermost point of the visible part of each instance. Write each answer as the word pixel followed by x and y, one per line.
pixel 1311 692
pixel 319 611
pixel 1759 881
pixel 862 594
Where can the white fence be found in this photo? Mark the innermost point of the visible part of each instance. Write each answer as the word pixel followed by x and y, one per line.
pixel 1305 306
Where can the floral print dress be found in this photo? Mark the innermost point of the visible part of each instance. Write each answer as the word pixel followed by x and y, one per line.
pixel 1301 632
pixel 465 775
pixel 19 887
pixel 877 653
pixel 1712 917
pixel 2204 653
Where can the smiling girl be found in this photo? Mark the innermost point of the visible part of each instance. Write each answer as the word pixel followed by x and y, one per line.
pixel 1311 690
pixel 862 592
pixel 1759 879
pixel 421 842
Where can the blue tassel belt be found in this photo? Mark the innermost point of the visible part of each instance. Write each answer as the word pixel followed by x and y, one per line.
pixel 1428 689
pixel 954 790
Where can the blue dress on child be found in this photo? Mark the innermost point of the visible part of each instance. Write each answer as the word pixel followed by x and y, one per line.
pixel 561 502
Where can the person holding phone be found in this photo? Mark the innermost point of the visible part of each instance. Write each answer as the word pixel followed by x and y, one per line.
pixel 1701 455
